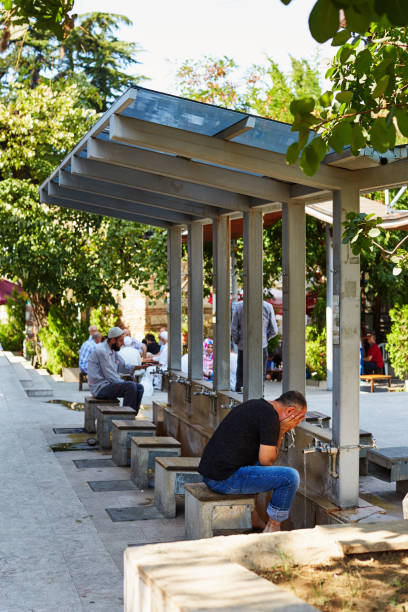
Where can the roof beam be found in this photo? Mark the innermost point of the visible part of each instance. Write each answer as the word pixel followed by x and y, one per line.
pixel 111 203
pixel 213 150
pixel 163 185
pixel 236 129
pixel 123 192
pixel 90 208
pixel 123 102
pixel 186 170
pixel 393 174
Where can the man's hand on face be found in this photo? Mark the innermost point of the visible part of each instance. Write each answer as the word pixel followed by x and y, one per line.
pixel 292 421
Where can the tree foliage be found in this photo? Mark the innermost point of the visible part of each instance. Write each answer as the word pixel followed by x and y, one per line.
pixel 12 332
pixel 91 56
pixel 397 341
pixel 61 255
pixel 265 90
pixel 17 16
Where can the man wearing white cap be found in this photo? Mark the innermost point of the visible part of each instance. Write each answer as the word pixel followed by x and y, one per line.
pixel 104 366
pixel 163 355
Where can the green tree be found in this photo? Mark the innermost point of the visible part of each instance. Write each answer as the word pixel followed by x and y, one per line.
pixel 12 332
pixel 17 16
pixel 397 341
pixel 91 56
pixel 59 255
pixel 265 90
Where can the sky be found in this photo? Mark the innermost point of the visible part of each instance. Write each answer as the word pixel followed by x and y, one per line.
pixel 246 30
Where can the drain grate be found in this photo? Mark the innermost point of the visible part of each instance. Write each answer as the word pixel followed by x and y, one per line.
pixel 72 446
pixel 93 463
pixel 112 485
pixel 68 430
pixel 136 513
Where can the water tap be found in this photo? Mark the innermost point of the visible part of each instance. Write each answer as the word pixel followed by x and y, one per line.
pixel 231 404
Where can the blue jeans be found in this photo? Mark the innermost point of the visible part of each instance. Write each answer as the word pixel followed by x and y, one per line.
pixel 283 481
pixel 131 392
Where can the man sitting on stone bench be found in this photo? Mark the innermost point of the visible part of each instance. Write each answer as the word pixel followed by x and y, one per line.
pixel 240 455
pixel 104 366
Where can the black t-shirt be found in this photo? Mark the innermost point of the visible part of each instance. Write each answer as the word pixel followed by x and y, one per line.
pixel 235 443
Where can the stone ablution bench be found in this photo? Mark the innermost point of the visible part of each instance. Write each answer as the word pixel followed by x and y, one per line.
pixel 143 452
pixel 390 464
pixel 171 474
pixel 105 416
pixel 90 411
pixel 207 511
pixel 122 432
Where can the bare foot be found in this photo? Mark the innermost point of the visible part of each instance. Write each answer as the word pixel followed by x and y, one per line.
pixel 271 526
pixel 256 520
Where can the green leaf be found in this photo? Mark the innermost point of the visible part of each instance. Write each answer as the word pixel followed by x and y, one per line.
pixel 323 20
pixel 402 120
pixel 382 137
pixel 340 38
pixel 344 53
pixel 358 141
pixel 381 86
pixel 326 98
pixel 302 106
pixel 374 232
pixel 340 136
pixel 309 160
pixel 357 21
pixel 363 62
pixel 396 271
pixel 319 147
pixel 292 153
pixel 344 96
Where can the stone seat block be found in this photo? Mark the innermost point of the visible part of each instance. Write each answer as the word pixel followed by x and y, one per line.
pixel 90 411
pixel 390 464
pixel 206 511
pixel 105 416
pixel 122 433
pixel 143 452
pixel 171 474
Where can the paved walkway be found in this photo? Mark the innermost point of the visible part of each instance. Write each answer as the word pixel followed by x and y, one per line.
pixel 59 549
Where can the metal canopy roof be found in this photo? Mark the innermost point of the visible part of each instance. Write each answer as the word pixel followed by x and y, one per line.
pixel 162 160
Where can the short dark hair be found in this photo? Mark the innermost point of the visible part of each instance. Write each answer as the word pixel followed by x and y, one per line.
pixel 150 337
pixel 291 398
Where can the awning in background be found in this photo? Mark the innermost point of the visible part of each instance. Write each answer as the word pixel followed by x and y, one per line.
pixel 6 289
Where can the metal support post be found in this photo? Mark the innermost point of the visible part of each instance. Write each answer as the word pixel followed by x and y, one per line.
pixel 221 284
pixel 174 303
pixel 329 307
pixel 253 304
pixel 294 295
pixel 195 300
pixel 346 342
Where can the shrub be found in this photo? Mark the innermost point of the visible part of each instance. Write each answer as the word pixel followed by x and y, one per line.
pixel 62 337
pixel 397 341
pixel 12 332
pixel 316 353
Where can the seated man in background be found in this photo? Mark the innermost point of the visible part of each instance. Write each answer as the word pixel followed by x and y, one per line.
pixel 86 350
pixel 152 346
pixel 373 361
pixel 135 343
pixel 104 366
pixel 240 455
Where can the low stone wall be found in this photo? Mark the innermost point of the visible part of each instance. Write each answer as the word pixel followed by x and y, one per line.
pixel 217 574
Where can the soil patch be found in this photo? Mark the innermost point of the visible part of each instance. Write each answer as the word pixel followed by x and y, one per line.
pixel 373 582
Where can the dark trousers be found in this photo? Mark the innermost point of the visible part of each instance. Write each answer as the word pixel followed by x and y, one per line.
pixel 131 392
pixel 239 382
pixel 370 367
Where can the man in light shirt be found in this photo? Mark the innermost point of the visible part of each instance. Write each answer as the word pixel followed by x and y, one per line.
pixel 269 330
pixel 86 349
pixel 104 366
